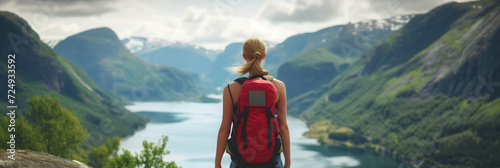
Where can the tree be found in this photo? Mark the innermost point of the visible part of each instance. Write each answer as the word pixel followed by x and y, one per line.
pixel 60 130
pixel 28 137
pixel 151 156
pixel 125 160
pixel 100 155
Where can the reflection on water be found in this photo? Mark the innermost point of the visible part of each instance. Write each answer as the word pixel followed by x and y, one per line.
pixel 192 131
pixel 163 117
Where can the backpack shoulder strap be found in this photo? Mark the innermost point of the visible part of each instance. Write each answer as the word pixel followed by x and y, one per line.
pixel 241 80
pixel 269 78
pixel 230 94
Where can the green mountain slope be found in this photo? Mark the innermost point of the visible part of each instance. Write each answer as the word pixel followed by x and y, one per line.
pixel 310 69
pixel 428 94
pixel 39 70
pixel 105 59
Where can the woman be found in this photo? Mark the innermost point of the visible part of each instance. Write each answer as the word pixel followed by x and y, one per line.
pixel 254 51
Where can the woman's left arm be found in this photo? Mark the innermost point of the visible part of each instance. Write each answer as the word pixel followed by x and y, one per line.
pixel 225 127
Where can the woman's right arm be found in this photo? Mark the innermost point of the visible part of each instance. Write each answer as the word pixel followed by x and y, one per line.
pixel 225 127
pixel 284 132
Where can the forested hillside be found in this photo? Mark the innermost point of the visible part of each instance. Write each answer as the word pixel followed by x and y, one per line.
pixel 39 70
pixel 428 93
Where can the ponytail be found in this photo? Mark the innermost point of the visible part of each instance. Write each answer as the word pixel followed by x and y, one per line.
pixel 254 50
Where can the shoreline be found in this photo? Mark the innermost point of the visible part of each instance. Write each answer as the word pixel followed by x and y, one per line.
pixel 136 130
pixel 320 130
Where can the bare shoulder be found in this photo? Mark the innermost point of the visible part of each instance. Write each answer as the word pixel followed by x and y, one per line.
pixel 234 87
pixel 233 84
pixel 278 84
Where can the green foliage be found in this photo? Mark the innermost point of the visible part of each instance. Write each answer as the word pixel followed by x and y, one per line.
pixel 354 138
pixel 153 153
pixel 49 128
pixel 99 156
pixel 125 160
pixel 28 136
pixel 150 157
pixel 59 128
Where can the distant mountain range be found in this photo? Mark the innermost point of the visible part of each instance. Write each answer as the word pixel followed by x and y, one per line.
pixel 347 41
pixel 107 61
pixel 39 70
pixel 180 55
pixel 306 61
pixel 230 57
pixel 341 40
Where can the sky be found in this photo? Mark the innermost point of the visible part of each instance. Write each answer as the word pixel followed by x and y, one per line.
pixel 211 24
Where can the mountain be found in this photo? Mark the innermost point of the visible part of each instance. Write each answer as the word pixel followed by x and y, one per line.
pixel 230 57
pixel 161 52
pixel 39 70
pixel 347 41
pixel 427 94
pixel 107 61
pixel 306 61
pixel 309 70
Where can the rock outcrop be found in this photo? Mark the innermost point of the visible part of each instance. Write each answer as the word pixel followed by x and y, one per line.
pixel 28 158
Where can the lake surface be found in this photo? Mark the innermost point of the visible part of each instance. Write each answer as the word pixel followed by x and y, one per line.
pixel 192 130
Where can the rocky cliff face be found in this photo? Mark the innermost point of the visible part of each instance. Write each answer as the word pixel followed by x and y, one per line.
pixel 472 53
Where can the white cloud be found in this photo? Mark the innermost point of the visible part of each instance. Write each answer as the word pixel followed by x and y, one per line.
pixel 57 30
pixel 63 8
pixel 300 10
pixel 201 26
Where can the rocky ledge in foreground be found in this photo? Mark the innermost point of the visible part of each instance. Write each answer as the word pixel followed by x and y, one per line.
pixel 28 158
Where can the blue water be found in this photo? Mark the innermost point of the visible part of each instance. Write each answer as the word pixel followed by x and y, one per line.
pixel 192 130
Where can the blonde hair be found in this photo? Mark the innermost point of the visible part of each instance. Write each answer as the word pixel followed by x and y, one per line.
pixel 254 50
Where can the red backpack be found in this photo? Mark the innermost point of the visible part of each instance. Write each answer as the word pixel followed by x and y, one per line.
pixel 255 139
